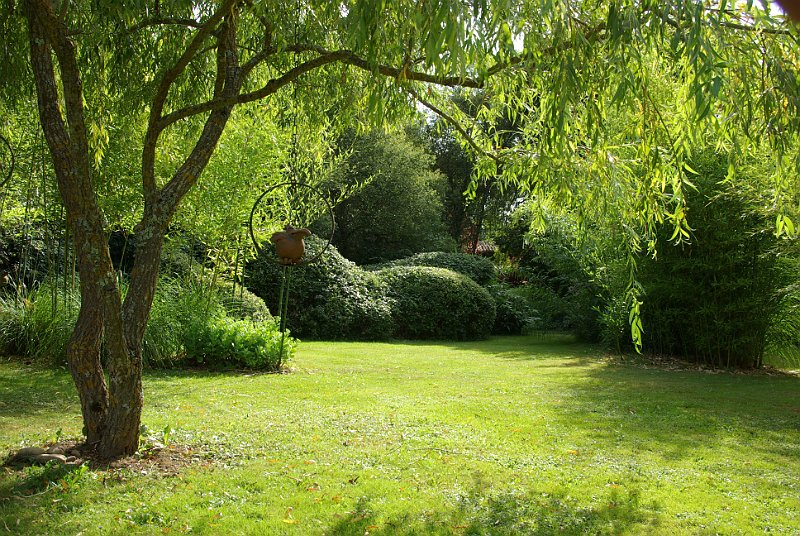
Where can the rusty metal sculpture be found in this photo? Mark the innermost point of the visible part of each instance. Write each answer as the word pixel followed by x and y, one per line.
pixel 289 245
pixel 277 208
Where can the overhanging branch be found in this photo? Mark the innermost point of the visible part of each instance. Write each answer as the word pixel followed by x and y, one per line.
pixel 154 127
pixel 453 122
pixel 165 21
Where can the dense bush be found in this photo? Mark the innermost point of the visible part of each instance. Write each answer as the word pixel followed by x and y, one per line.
pixel 192 319
pixel 24 255
pixel 331 298
pixel 783 335
pixel 514 312
pixel 436 303
pixel 221 340
pixel 188 319
pixel 479 269
pixel 714 298
pixel 557 273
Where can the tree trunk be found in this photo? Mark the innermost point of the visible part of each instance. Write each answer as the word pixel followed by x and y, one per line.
pixel 112 412
pixel 125 362
pixel 83 355
pixel 478 228
pixel 84 221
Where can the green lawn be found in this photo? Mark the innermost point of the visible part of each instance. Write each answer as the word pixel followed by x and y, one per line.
pixel 509 436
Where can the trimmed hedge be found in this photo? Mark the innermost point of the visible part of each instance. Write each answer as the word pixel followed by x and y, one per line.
pixel 436 303
pixel 331 298
pixel 479 269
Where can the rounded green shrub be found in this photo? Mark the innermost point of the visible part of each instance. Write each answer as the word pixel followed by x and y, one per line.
pixel 242 304
pixel 479 269
pixel 436 303
pixel 331 298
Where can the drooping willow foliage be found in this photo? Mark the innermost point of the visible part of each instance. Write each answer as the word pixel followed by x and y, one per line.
pixel 607 100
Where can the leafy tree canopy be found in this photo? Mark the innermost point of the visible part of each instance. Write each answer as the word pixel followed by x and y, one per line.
pixel 607 100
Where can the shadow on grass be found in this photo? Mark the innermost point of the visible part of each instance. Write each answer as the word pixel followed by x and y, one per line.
pixel 475 513
pixel 535 346
pixel 678 413
pixel 31 390
pixel 20 497
pixel 504 513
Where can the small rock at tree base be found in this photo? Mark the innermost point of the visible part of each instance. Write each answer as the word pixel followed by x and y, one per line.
pixel 55 450
pixel 74 452
pixel 44 458
pixel 29 452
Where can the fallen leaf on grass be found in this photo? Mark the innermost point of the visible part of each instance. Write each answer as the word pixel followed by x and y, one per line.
pixel 287 517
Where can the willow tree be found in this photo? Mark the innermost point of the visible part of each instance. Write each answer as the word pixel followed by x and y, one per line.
pixel 577 77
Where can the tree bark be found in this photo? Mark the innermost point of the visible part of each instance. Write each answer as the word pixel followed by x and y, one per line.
pixel 71 163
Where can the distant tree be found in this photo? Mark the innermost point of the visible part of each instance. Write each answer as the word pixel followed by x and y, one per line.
pixel 472 209
pixel 397 211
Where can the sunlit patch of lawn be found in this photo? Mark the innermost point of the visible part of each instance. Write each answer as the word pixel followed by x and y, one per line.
pixel 516 435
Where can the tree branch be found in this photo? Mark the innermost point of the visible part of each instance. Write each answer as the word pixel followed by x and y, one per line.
pixel 269 88
pixel 154 127
pixel 347 57
pixel 455 124
pixel 57 36
pixel 351 58
pixel 734 26
pixel 159 212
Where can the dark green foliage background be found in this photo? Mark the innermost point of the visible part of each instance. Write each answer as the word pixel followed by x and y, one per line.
pixel 556 274
pixel 515 313
pixel 713 299
pixel 330 298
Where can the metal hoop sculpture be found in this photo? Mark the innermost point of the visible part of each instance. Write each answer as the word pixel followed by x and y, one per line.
pixel 293 187
pixel 4 181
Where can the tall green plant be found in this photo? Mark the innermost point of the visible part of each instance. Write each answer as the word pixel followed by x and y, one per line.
pixel 713 298
pixel 37 323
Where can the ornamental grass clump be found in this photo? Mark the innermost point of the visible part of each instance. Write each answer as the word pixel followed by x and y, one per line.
pixel 37 323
